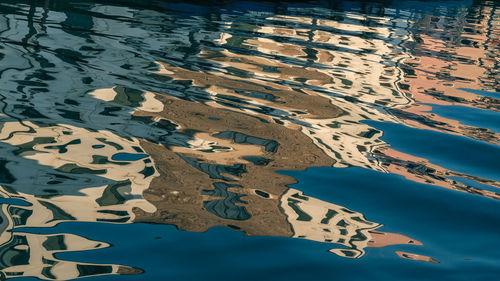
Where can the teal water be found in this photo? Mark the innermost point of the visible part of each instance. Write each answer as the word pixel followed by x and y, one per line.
pixel 224 140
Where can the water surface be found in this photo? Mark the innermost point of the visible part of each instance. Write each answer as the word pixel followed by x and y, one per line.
pixel 249 140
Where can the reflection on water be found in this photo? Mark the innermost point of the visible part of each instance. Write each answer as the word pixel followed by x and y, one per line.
pixel 183 115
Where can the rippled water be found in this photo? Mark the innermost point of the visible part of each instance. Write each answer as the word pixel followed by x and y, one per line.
pixel 346 141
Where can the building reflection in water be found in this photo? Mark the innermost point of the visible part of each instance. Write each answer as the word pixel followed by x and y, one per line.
pixel 193 131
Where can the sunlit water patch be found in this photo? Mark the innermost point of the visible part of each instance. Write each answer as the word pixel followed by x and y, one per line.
pixel 347 140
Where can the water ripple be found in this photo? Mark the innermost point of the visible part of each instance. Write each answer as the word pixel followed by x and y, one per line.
pixel 178 114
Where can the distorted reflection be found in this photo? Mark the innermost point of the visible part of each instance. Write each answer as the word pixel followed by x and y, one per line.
pixel 127 115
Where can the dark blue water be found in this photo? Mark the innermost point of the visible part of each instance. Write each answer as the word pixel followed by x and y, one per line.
pixel 128 157
pixel 233 140
pixel 470 116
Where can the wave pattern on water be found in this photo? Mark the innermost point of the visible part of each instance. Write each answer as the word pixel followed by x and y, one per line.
pixel 182 114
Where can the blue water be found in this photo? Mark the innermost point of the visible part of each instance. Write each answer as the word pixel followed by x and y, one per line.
pixel 416 209
pixel 445 150
pixel 128 157
pixel 249 140
pixel 470 116
pixel 13 201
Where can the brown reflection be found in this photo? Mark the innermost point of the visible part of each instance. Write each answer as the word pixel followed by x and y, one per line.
pixel 238 185
pixel 416 257
pixel 278 97
pixel 224 86
pixel 324 83
pixel 312 108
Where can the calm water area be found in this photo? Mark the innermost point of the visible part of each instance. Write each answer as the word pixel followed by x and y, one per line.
pixel 240 140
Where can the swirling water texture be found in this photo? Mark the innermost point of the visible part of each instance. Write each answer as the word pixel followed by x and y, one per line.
pixel 202 116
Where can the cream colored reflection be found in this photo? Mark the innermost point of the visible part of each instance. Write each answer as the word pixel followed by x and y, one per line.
pixel 67 173
pixel 363 68
pixel 355 77
pixel 68 152
pixel 149 103
pixel 33 255
pixel 317 220
pixel 358 74
pixel 350 80
pixel 70 173
pixel 38 254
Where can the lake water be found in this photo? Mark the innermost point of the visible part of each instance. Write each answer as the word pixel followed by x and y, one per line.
pixel 157 140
